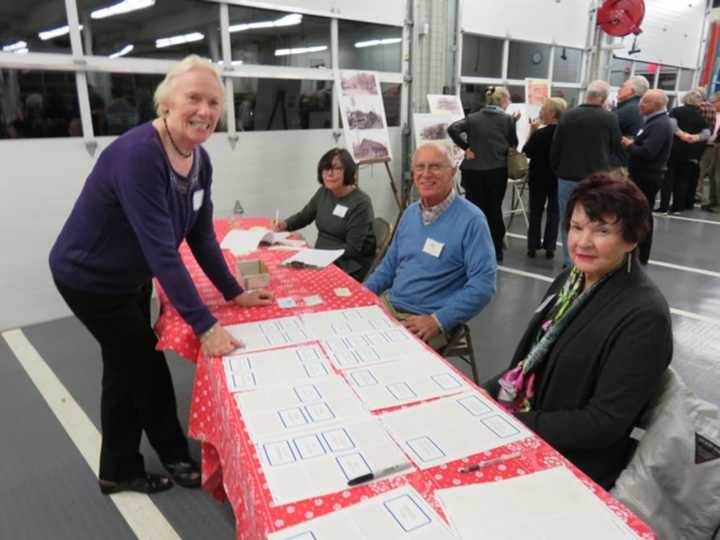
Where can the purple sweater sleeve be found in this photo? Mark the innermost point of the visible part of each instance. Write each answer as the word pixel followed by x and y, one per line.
pixel 143 196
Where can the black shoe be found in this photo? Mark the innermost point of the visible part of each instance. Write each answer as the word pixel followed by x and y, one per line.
pixel 499 258
pixel 185 473
pixel 549 254
pixel 150 483
pixel 531 253
pixel 660 210
pixel 708 208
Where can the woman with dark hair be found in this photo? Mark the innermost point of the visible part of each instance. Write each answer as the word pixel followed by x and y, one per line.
pixel 598 345
pixel 342 214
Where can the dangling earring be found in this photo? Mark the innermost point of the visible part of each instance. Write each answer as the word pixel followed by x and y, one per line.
pixel 629 262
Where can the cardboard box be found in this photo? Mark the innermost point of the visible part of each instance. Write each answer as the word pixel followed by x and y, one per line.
pixel 252 274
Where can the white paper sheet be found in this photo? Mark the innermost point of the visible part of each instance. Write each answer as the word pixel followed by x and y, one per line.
pixel 546 505
pixel 255 370
pixel 341 322
pixel 317 462
pixel 316 258
pixel 269 333
pixel 397 514
pixel 452 428
pixel 244 241
pixel 404 381
pixel 312 404
pixel 369 348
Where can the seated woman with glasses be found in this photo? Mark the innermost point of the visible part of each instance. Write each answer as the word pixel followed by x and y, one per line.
pixel 342 213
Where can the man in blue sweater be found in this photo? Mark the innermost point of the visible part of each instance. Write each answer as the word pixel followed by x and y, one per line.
pixel 439 271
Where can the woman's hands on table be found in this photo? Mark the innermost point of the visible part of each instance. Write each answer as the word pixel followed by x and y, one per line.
pixel 217 341
pixel 279 225
pixel 259 297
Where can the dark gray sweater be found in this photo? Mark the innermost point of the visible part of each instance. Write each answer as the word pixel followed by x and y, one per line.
pixel 489 133
pixel 353 232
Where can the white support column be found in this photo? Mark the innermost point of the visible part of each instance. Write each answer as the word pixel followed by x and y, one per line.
pixel 335 62
pixel 226 50
pixel 80 78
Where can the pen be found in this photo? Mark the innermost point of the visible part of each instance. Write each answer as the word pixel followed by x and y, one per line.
pixel 277 217
pixel 487 463
pixel 374 475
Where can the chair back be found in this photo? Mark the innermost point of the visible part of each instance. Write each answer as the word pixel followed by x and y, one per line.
pixel 383 235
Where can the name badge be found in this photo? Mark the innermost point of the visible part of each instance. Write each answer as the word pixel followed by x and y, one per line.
pixel 433 247
pixel 198 199
pixel 340 210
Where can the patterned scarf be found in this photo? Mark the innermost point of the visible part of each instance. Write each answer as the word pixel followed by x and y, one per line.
pixel 517 385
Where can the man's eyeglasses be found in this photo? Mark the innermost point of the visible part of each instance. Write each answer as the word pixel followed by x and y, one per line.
pixel 433 168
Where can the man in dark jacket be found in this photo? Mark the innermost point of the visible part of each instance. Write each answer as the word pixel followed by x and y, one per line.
pixel 649 153
pixel 628 113
pixel 584 140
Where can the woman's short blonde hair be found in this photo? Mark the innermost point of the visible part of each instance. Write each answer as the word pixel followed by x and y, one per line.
pixel 693 98
pixel 555 105
pixel 193 61
pixel 495 94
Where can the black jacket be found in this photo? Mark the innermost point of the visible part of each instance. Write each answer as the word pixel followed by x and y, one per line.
pixel 489 133
pixel 600 373
pixel 584 140
pixel 690 120
pixel 650 152
pixel 537 149
pixel 630 121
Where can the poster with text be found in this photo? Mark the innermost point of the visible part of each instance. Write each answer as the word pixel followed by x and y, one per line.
pixel 363 115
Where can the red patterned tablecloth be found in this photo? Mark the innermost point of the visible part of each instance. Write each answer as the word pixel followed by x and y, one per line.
pixel 231 467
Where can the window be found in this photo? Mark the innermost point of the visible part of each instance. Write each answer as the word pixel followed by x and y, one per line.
pixel 646 70
pixel 686 79
pixel 169 30
pixel 277 38
pixel 570 95
pixel 369 46
pixel 23 30
pixel 482 56
pixel 619 71
pixel 567 66
pixel 276 104
pixel 528 60
pixel 667 78
pixel 472 97
pixel 38 104
pixel 517 94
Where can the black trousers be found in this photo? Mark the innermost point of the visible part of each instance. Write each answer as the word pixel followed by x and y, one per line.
pixel 649 184
pixel 680 181
pixel 540 192
pixel 137 390
pixel 486 190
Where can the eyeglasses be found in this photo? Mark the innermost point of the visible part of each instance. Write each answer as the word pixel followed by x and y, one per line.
pixel 433 168
pixel 334 169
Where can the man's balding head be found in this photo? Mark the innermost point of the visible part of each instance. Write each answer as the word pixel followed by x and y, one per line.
pixel 653 101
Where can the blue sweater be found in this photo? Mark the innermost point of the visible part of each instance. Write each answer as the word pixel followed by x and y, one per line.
pixel 129 220
pixel 455 286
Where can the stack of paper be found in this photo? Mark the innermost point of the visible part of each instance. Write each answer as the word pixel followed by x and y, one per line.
pixel 270 333
pixel 404 381
pixel 253 370
pixel 547 505
pixel 341 322
pixel 314 258
pixel 316 462
pixel 399 514
pixel 244 241
pixel 452 428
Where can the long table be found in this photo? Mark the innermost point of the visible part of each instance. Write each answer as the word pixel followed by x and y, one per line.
pixel 230 465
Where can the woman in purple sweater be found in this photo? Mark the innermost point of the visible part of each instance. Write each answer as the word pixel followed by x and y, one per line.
pixel 148 191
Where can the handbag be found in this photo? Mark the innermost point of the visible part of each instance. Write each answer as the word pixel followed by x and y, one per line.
pixel 517 164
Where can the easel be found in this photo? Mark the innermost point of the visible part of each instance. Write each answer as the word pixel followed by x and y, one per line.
pixel 400 199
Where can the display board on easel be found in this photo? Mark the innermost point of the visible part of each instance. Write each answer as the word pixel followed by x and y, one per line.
pixel 364 121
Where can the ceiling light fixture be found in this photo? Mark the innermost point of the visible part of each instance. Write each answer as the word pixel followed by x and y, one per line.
pixel 300 50
pixel 55 32
pixel 125 6
pixel 14 47
pixel 376 42
pixel 178 40
pixel 122 52
pixel 287 20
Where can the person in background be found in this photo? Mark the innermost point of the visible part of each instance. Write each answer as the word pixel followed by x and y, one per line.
pixel 542 180
pixel 439 270
pixel 486 136
pixel 596 349
pixel 630 119
pixel 649 153
pixel 710 163
pixel 690 133
pixel 148 191
pixel 585 139
pixel 342 213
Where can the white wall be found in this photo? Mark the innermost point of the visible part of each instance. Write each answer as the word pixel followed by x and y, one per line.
pixel 42 178
pixel 564 22
pixel 672 33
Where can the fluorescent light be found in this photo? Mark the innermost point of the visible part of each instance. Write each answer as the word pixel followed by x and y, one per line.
pixel 375 42
pixel 55 32
pixel 122 52
pixel 14 47
pixel 300 50
pixel 287 20
pixel 177 40
pixel 234 62
pixel 124 6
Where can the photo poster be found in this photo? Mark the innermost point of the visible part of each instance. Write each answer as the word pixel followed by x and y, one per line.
pixel 363 114
pixel 432 128
pixel 446 104
pixel 536 91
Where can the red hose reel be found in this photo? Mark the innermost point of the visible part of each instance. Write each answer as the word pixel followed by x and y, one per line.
pixel 621 17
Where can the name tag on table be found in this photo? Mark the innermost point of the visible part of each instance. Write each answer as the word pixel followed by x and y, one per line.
pixel 340 210
pixel 198 199
pixel 433 247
